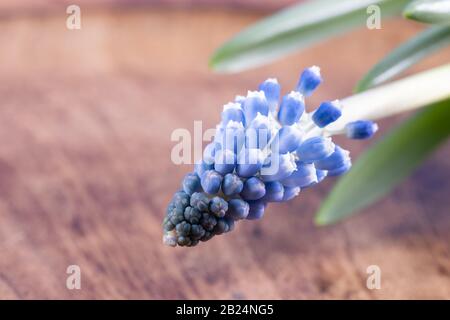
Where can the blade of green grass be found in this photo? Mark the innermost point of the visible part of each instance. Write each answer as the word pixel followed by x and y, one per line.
pixel 387 163
pixel 429 11
pixel 406 55
pixel 296 27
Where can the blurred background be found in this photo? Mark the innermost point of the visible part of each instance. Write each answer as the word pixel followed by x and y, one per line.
pixel 85 170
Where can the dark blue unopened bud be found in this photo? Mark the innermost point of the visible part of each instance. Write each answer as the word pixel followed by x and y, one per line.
pixel 183 228
pixel 200 201
pixel 289 139
pixel 327 113
pixel 191 183
pixel 192 215
pixel 181 198
pixel 271 89
pixel 290 193
pixel 184 241
pixel 197 231
pixel 256 209
pixel 211 181
pixel 218 206
pixel 315 148
pixel 274 192
pixel 208 221
pixel 221 227
pixel 291 109
pixel 254 189
pixel 254 103
pixel 232 184
pixel 232 112
pixel 249 162
pixel 304 176
pixel 225 161
pixel 361 129
pixel 208 236
pixel 334 161
pixel 309 80
pixel 230 222
pixel 237 209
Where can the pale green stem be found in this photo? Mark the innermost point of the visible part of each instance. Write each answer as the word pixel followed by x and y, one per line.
pixel 403 95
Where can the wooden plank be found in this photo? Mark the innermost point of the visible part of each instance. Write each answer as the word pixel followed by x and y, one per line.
pixel 85 170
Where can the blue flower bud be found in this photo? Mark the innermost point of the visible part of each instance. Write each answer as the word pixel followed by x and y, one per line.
pixel 239 99
pixel 254 189
pixel 208 221
pixel 341 170
pixel 197 231
pixel 258 132
pixel 218 206
pixel 211 181
pixel 191 183
pixel 209 153
pixel 315 148
pixel 200 201
pixel 309 81
pixel 304 176
pixel 334 161
pixel 180 198
pixel 224 161
pixel 201 166
pixel 291 109
pixel 327 113
pixel 361 129
pixel 170 239
pixel 183 228
pixel 192 214
pixel 232 112
pixel 232 184
pixel 231 136
pixel 280 166
pixel 249 162
pixel 222 226
pixel 237 209
pixel 321 174
pixel 254 103
pixel 290 193
pixel 271 90
pixel 289 139
pixel 256 209
pixel 230 221
pixel 274 192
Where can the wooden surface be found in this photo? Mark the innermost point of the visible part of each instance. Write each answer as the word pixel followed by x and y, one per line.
pixel 85 170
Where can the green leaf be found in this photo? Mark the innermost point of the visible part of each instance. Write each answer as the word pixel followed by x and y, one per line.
pixel 406 55
pixel 294 28
pixel 429 11
pixel 387 163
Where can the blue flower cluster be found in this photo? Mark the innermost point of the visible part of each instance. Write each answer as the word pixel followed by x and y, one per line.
pixel 263 151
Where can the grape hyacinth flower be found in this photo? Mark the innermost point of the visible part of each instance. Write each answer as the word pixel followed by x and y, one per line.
pixel 261 153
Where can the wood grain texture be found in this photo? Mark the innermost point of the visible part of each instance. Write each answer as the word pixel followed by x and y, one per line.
pixel 21 7
pixel 85 170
